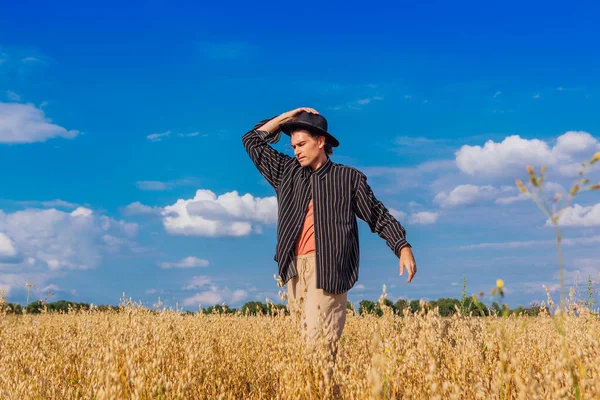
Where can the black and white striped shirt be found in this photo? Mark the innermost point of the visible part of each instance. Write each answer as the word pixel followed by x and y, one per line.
pixel 340 193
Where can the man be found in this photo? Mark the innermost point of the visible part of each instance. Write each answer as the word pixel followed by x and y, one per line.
pixel 317 235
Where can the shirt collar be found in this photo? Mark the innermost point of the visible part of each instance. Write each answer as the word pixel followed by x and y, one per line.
pixel 322 171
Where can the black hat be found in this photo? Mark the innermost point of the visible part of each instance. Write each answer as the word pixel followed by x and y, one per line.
pixel 315 123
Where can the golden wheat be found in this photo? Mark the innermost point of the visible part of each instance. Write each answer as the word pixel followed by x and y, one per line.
pixel 143 354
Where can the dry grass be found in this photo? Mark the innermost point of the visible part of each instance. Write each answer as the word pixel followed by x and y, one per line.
pixel 140 354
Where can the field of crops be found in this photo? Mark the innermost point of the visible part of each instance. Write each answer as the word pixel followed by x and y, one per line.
pixel 140 354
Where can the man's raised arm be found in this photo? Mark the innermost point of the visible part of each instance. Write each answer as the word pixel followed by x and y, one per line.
pixel 269 162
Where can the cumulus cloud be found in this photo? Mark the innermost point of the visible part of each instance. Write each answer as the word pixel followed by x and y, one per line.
pixel 399 215
pixel 197 282
pixel 137 208
pixel 512 155
pixel 188 262
pixel 226 215
pixel 464 195
pixel 14 282
pixel 215 296
pixel 24 123
pixel 58 240
pixel 577 215
pixel 424 218
pixel 7 247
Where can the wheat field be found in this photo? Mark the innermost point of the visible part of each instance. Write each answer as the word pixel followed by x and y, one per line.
pixel 137 353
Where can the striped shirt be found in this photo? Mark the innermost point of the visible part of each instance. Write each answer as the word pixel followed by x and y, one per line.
pixel 340 194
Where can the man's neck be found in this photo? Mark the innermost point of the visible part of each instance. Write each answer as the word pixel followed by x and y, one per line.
pixel 319 162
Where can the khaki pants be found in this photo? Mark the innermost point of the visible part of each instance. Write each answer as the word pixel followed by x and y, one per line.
pixel 321 315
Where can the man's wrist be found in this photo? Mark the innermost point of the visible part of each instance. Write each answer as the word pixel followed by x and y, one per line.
pixel 403 246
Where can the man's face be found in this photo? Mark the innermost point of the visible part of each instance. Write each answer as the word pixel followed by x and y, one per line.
pixel 306 148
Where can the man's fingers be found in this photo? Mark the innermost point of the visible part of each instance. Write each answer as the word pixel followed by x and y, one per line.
pixel 401 268
pixel 411 272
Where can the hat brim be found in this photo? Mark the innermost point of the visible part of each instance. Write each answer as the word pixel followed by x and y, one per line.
pixel 290 126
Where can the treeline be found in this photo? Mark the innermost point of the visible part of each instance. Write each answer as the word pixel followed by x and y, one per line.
pixel 36 307
pixel 447 307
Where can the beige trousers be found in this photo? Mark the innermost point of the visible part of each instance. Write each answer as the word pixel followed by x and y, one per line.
pixel 321 315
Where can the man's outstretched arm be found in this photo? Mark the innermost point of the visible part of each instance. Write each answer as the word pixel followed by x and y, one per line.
pixel 269 162
pixel 379 219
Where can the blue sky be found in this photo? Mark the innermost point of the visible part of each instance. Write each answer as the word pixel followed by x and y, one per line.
pixel 112 116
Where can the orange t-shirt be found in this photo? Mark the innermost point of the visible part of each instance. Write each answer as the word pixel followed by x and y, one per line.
pixel 306 240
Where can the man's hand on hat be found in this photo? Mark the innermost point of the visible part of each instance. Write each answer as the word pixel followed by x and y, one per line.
pixel 288 115
pixel 273 124
pixel 407 260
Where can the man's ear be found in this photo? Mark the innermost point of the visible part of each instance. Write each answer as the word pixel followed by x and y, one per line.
pixel 322 141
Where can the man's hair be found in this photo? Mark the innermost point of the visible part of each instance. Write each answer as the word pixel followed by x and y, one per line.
pixel 328 148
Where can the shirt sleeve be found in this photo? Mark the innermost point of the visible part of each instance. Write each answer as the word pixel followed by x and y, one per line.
pixel 269 162
pixel 379 219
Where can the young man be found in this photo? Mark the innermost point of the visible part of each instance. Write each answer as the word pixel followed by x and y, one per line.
pixel 317 235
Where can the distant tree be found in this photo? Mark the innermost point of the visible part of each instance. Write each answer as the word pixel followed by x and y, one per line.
pixel 400 306
pixel 496 309
pixel 414 306
pixel 253 308
pixel 219 309
pixel 366 307
pixel 446 306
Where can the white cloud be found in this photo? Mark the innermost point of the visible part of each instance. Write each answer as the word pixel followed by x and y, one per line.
pixel 24 123
pixel 30 59
pixel 359 287
pixel 514 153
pixel 215 295
pixel 86 212
pixel 549 189
pixel 188 262
pixel 226 215
pixel 49 204
pixel 536 96
pixel 159 185
pixel 512 199
pixel 51 287
pixel 150 291
pixel 577 215
pixel 12 96
pixel 7 247
pixel 197 282
pixel 137 208
pixel 399 215
pixel 591 240
pixel 498 93
pixel 369 100
pixel 157 137
pixel 423 218
pixel 56 240
pixel 464 195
